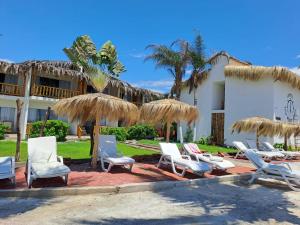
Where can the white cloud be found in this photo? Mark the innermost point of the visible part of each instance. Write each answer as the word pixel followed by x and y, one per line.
pixel 7 60
pixel 188 72
pixel 155 85
pixel 137 55
pixel 295 70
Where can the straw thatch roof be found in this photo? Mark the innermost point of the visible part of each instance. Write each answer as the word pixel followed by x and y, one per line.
pixel 255 73
pixel 113 83
pixel 168 110
pixel 266 127
pixel 53 68
pixel 215 57
pixel 87 107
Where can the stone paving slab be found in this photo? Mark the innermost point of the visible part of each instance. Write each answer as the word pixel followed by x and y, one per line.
pixel 218 203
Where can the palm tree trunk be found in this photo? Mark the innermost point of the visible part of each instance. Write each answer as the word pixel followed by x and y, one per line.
pixel 18 144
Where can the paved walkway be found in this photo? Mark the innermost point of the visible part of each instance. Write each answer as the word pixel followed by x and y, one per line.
pixel 212 204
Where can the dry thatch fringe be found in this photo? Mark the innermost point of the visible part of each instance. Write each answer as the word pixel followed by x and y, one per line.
pixel 86 107
pixel 254 73
pixel 195 80
pixel 266 127
pixel 128 89
pixel 55 68
pixel 168 110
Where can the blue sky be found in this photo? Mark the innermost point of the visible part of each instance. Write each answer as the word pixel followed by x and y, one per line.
pixel 262 32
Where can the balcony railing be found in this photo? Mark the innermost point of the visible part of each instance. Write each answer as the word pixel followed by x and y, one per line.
pixel 53 92
pixel 10 89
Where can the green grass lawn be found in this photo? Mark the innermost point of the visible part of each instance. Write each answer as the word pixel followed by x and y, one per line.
pixel 74 149
pixel 208 148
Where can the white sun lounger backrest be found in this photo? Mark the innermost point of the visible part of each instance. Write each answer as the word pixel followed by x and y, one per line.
pixel 192 148
pixel 268 146
pixel 240 145
pixel 170 149
pixel 255 159
pixel 108 146
pixel 251 144
pixel 42 149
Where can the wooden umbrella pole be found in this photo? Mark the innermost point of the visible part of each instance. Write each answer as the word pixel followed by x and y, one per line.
pixel 96 142
pixel 168 132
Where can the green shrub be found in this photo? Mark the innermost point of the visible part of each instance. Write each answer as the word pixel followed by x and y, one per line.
pixel 139 132
pixel 205 140
pixel 56 128
pixel 188 137
pixel 119 132
pixel 278 145
pixel 3 129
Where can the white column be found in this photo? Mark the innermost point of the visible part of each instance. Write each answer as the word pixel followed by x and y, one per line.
pixel 24 114
pixel 195 133
pixel 180 133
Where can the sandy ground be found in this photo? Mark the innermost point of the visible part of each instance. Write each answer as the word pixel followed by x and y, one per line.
pixel 225 203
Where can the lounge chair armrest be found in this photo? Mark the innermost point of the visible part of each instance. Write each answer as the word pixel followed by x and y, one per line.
pixel 187 157
pixel 60 159
pixel 287 165
pixel 207 154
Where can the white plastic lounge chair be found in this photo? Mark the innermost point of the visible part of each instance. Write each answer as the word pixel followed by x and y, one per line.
pixel 43 161
pixel 108 153
pixel 171 156
pixel 287 154
pixel 265 154
pixel 7 169
pixel 282 171
pixel 216 161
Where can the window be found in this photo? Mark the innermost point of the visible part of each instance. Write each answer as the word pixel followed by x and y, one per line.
pixel 218 95
pixel 7 114
pixel 49 82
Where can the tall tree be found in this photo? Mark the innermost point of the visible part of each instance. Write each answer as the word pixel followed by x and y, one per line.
pixel 175 61
pixel 97 64
pixel 197 60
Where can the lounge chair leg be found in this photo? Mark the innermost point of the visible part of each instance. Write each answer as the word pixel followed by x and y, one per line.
pixel 13 181
pixel 253 177
pixel 159 162
pixel 29 180
pixel 66 179
pixel 130 168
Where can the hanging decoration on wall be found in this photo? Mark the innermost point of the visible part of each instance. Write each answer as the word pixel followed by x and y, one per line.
pixel 289 109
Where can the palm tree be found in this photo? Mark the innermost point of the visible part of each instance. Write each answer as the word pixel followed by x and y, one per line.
pixel 97 64
pixel 174 61
pixel 198 62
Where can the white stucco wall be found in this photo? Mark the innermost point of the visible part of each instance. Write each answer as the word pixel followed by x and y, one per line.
pixel 246 99
pixel 281 92
pixel 204 95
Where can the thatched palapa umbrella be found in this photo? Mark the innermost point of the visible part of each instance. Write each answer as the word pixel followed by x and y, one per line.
pixel 168 111
pixel 95 107
pixel 265 127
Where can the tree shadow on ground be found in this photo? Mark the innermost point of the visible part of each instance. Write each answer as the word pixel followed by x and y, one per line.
pixel 10 207
pixel 220 204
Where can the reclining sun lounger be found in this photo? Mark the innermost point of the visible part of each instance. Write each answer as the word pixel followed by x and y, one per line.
pixel 170 155
pixel 217 162
pixel 108 153
pixel 43 161
pixel 7 169
pixel 287 154
pixel 282 171
pixel 264 154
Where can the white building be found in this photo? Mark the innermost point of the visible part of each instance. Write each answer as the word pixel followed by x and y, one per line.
pixel 40 84
pixel 234 90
